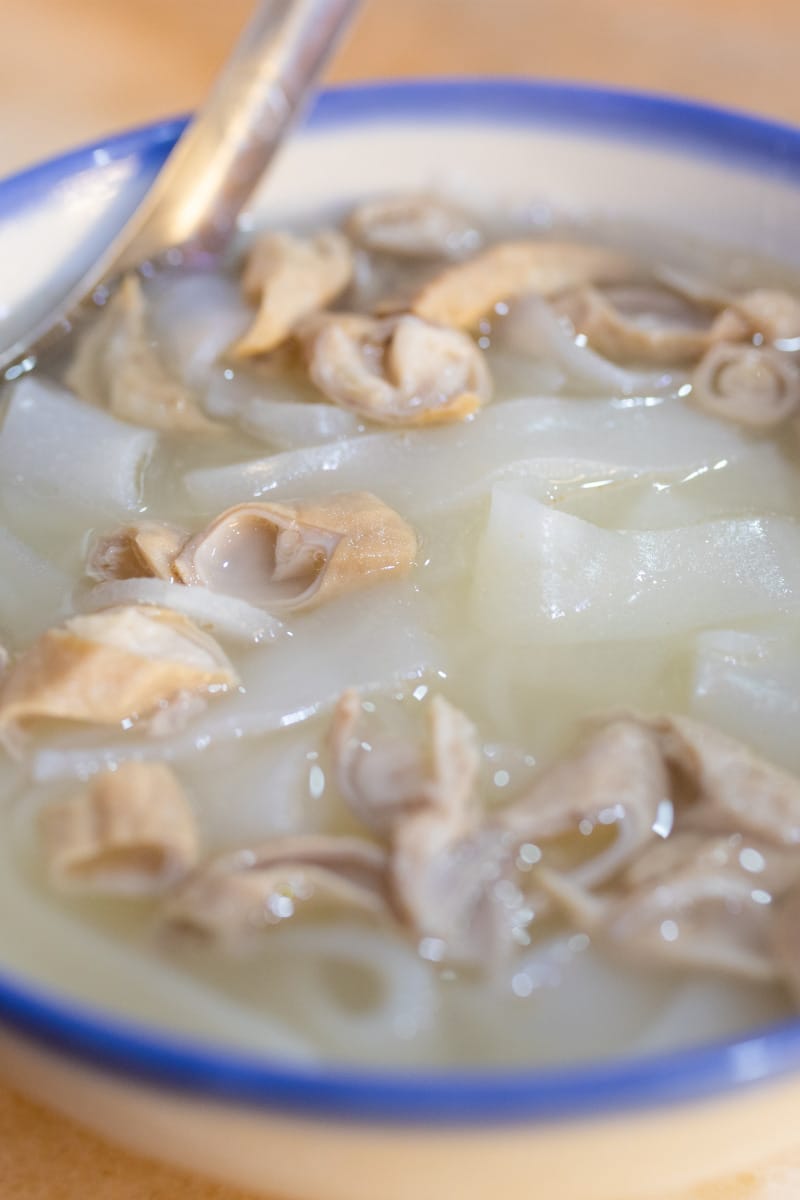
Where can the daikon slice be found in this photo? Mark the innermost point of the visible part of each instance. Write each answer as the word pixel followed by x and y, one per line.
pixel 284 424
pixel 359 992
pixel 760 481
pixel 367 642
pixel 418 467
pixel 546 576
pixel 61 453
pixel 747 683
pixel 33 593
pixel 224 615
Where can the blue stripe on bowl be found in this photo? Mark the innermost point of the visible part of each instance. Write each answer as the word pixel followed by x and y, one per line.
pixel 356 1094
pixel 719 134
pixel 455 1097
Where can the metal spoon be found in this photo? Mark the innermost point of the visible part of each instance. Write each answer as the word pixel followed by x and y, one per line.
pixel 193 204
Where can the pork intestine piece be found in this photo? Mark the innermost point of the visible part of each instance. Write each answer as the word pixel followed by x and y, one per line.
pixel 733 788
pixel 117 665
pixel 697 903
pixel 460 876
pixel 756 387
pixel 297 556
pixel 461 295
pixel 443 863
pixel 289 278
pixel 380 780
pixel 397 370
pixel 715 784
pixel 118 366
pixel 542 575
pixel 145 549
pixel 615 779
pixel 135 565
pixel 698 900
pixel 770 312
pixel 414 225
pixel 130 832
pixel 668 322
pixel 703 897
pixel 246 891
pixel 648 323
pixel 392 777
pixel 271 556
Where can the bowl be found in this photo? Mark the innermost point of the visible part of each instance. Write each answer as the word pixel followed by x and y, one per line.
pixel 621 1130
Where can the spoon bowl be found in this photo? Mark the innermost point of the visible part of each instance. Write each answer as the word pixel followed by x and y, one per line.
pixel 189 211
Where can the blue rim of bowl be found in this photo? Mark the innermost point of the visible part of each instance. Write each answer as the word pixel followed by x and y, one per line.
pixel 134 1052
pixel 721 135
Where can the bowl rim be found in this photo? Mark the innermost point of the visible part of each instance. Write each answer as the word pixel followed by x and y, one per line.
pixel 89 1036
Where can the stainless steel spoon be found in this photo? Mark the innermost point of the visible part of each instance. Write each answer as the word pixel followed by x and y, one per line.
pixel 194 201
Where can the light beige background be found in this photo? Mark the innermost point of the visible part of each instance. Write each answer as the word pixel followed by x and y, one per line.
pixel 75 69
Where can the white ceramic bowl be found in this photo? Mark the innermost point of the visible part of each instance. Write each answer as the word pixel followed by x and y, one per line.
pixel 625 1130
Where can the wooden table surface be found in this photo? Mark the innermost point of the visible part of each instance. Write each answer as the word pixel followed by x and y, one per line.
pixel 76 69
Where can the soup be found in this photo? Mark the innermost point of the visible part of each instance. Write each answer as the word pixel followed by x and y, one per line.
pixel 402 646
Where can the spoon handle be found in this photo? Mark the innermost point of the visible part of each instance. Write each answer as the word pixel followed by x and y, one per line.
pixel 192 207
pixel 216 164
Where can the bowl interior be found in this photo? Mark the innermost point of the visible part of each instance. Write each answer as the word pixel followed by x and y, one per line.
pixel 550 153
pixel 545 149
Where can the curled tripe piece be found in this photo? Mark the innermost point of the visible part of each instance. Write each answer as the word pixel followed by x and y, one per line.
pixel 725 787
pixel 648 323
pixel 299 555
pixel 604 798
pixel 758 387
pixel 647 835
pixel 770 312
pixel 414 225
pixel 454 869
pixel 697 904
pixel 130 832
pixel 443 864
pixel 118 366
pixel 390 777
pixel 289 278
pixel 246 891
pixel 396 370
pixel 119 664
pixel 704 895
pixel 464 293
pixel 142 550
